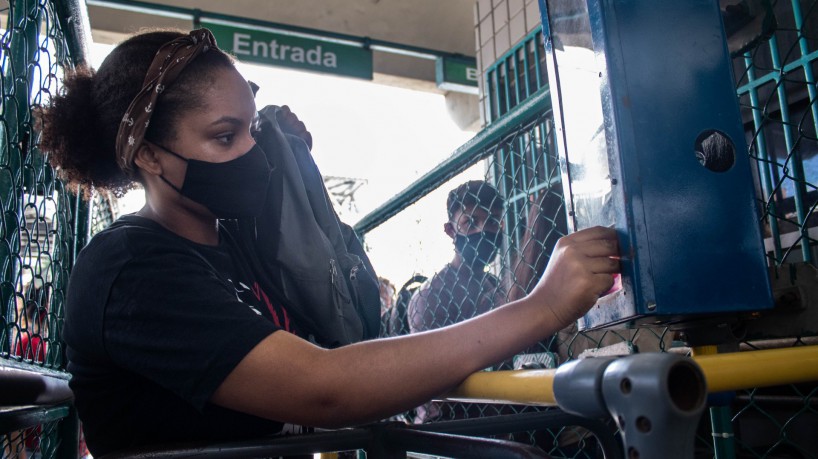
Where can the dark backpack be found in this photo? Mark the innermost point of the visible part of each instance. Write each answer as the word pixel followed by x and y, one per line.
pixel 304 253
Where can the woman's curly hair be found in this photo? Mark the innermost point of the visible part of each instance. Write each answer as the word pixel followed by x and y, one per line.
pixel 79 126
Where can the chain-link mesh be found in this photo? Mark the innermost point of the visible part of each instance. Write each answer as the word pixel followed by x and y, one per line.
pixel 779 101
pixel 504 216
pixel 40 441
pixel 776 86
pixel 37 240
pixel 104 210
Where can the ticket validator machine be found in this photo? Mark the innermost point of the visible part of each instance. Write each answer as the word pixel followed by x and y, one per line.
pixel 650 142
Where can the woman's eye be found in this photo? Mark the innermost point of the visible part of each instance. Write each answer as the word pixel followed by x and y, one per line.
pixel 225 138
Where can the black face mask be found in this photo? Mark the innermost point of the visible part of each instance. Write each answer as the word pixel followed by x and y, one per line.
pixel 232 189
pixel 478 249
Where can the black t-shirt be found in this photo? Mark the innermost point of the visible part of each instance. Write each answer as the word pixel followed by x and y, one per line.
pixel 154 324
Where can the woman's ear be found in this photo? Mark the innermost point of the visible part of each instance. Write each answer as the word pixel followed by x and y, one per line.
pixel 147 160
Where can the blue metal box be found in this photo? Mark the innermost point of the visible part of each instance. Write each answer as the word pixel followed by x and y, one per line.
pixel 651 143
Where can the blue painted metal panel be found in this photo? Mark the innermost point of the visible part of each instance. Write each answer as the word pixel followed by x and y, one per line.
pixel 635 84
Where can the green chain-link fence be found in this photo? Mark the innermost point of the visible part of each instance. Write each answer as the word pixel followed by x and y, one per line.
pixel 39 41
pixel 777 92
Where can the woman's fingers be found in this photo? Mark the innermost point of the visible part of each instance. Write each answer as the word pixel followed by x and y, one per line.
pixel 590 234
pixel 603 265
pixel 289 123
pixel 599 247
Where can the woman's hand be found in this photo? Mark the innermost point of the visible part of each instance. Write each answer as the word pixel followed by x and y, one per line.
pixel 580 270
pixel 290 124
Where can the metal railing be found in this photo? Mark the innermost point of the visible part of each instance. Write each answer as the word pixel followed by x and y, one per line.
pixel 516 76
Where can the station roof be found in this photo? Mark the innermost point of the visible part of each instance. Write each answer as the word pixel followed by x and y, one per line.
pixel 444 25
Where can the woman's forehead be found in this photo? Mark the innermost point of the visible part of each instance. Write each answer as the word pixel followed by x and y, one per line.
pixel 229 93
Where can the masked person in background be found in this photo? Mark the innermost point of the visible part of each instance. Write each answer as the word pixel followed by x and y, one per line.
pixel 464 288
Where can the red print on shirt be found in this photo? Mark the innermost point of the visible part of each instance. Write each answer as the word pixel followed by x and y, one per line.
pixel 262 296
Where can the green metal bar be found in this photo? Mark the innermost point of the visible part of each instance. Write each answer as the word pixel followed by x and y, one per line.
pixel 469 153
pixel 527 67
pixel 764 159
pixel 13 418
pixel 36 368
pixel 722 427
pixel 524 164
pixel 804 61
pixel 493 98
pixel 73 17
pixel 495 94
pixel 194 13
pixel 83 210
pixel 512 69
pixel 507 89
pixel 69 434
pixel 809 77
pixel 537 58
pixel 794 154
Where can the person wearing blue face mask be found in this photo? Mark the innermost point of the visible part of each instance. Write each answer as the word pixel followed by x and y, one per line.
pixel 464 288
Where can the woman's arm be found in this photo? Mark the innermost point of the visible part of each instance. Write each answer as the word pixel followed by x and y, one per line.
pixel 290 380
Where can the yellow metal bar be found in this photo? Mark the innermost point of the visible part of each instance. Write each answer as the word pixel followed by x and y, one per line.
pixel 770 367
pixel 528 387
pixel 723 372
pixel 704 350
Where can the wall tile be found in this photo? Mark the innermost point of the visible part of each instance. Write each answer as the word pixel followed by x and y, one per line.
pixel 484 7
pixel 515 6
pixel 517 28
pixel 502 42
pixel 487 55
pixel 500 15
pixel 477 41
pixel 486 30
pixel 532 16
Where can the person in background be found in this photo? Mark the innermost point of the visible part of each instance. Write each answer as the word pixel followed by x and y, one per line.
pixel 464 288
pixel 387 291
pixel 169 336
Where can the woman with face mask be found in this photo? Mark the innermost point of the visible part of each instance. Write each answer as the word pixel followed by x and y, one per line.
pixel 169 336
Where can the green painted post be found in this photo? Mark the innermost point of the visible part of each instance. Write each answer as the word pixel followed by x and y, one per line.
pixel 796 164
pixel 82 224
pixel 763 162
pixel 68 431
pixel 722 427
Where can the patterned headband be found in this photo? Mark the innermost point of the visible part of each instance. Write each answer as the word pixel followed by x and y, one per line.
pixel 168 63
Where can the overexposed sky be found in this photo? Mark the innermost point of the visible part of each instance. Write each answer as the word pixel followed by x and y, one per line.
pixel 385 135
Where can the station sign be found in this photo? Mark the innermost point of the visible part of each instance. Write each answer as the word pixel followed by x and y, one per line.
pixel 279 49
pixel 456 74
